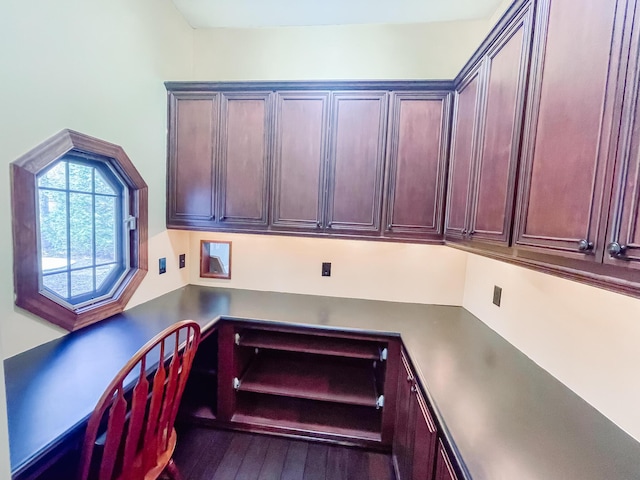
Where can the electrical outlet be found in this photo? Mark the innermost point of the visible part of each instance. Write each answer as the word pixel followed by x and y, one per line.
pixel 326 269
pixel 497 295
pixel 162 265
pixel 182 260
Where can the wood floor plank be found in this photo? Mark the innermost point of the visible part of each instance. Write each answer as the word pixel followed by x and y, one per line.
pixel 357 464
pixel 208 454
pixel 199 452
pixel 274 459
pixel 337 463
pixel 254 458
pixel 233 457
pixel 295 461
pixel 315 467
pixel 380 466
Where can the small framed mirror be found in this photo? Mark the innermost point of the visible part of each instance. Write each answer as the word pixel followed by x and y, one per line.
pixel 215 259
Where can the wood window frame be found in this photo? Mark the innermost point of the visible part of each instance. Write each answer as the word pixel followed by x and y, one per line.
pixel 24 189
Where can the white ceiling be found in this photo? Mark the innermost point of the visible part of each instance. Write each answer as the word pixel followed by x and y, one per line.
pixel 272 13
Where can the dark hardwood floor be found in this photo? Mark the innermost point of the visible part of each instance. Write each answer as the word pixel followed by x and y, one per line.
pixel 203 453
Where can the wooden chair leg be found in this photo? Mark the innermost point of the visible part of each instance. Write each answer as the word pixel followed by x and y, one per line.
pixel 172 470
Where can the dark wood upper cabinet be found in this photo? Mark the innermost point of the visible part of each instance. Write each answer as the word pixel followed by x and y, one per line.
pixel 467 103
pixel 623 234
pixel 193 140
pixel 299 181
pixel 244 158
pixel 569 128
pixel 416 163
pixel 506 65
pixel 356 162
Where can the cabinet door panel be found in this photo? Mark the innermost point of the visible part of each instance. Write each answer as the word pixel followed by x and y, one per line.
pixel 568 127
pixel 463 147
pixel 244 158
pixel 193 130
pixel 497 163
pixel 404 422
pixel 299 161
pixel 425 441
pixel 624 228
pixel 444 469
pixel 417 163
pixel 357 157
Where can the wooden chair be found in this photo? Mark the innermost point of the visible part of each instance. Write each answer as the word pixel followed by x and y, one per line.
pixel 130 435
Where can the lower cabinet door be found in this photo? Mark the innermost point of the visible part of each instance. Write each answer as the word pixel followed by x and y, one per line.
pixel 444 469
pixel 424 441
pixel 402 453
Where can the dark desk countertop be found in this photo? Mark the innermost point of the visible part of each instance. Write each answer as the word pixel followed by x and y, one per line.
pixel 508 418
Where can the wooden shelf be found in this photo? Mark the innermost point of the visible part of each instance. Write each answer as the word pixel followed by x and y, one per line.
pixel 303 376
pixel 295 342
pixel 281 413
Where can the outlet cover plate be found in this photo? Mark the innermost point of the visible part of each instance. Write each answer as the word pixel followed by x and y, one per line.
pixel 182 260
pixel 162 265
pixel 497 295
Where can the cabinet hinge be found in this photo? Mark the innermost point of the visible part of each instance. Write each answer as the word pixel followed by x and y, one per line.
pixel 236 383
pixel 236 339
pixel 383 354
pixel 380 402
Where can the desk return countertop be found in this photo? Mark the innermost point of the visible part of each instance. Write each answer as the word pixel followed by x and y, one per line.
pixel 508 418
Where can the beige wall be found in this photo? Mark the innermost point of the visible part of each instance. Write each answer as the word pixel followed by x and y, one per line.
pixel 97 67
pixel 359 269
pixel 586 337
pixel 419 51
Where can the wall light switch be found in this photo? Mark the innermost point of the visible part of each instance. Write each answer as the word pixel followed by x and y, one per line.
pixel 162 264
pixel 326 269
pixel 497 295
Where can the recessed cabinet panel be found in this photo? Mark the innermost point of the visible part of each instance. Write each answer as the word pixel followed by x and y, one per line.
pixel 417 163
pixel 462 154
pixel 444 469
pixel 623 236
pixel 357 158
pixel 568 126
pixel 193 130
pixel 299 162
pixel 244 158
pixel 506 66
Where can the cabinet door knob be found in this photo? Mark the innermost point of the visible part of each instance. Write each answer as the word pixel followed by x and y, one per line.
pixel 330 224
pixel 222 218
pixel 616 250
pixel 585 245
pixel 464 231
pixel 318 224
pixel 389 227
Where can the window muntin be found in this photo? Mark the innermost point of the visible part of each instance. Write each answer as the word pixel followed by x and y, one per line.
pixel 83 242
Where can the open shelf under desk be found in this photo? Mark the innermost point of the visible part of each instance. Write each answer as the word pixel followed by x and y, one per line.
pixel 320 345
pixel 303 376
pixel 308 416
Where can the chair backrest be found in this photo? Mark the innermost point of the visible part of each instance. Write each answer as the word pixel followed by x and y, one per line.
pixel 139 419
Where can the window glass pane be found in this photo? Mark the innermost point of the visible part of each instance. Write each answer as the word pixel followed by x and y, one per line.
pixel 53 229
pixel 55 177
pixel 102 273
pixel 81 281
pixel 106 233
pixel 102 186
pixel 80 177
pixel 57 283
pixel 81 229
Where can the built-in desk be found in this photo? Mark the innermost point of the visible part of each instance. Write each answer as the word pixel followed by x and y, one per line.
pixel 506 417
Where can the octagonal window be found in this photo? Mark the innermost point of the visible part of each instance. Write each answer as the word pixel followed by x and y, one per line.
pixel 82 230
pixel 79 229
